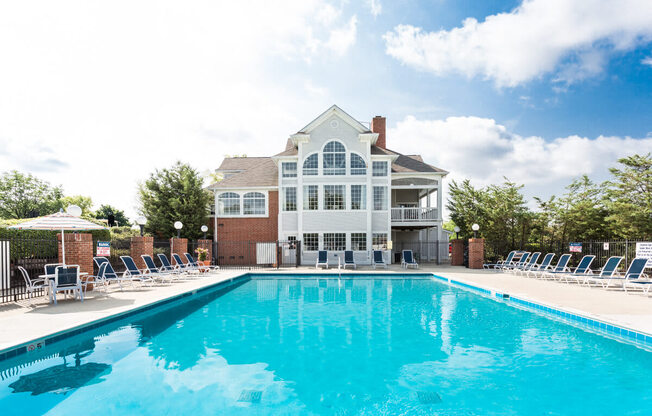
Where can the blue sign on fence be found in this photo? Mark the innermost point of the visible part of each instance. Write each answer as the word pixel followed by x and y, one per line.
pixel 103 248
pixel 575 247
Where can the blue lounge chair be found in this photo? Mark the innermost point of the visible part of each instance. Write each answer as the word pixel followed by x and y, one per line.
pixel 153 270
pixel 522 261
pixel 165 264
pixel 498 264
pixel 545 265
pixel 51 269
pixel 561 267
pixel 132 273
pixel 66 278
pixel 607 272
pixel 322 259
pixel 530 263
pixel 183 267
pixel 635 276
pixel 191 261
pixel 378 259
pixel 407 259
pixel 348 259
pixel 109 273
pixel 580 272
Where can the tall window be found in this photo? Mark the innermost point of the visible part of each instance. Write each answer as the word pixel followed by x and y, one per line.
pixel 289 169
pixel 380 198
pixel 311 165
pixel 310 197
pixel 334 159
pixel 379 169
pixel 290 200
pixel 358 167
pixel 229 203
pixel 334 197
pixel 335 241
pixel 253 203
pixel 358 241
pixel 379 241
pixel 358 196
pixel 311 242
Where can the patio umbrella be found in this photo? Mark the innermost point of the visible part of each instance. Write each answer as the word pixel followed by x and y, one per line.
pixel 59 221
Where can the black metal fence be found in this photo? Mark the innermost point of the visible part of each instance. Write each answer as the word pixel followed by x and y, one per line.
pixel 256 255
pixel 33 255
pixel 424 252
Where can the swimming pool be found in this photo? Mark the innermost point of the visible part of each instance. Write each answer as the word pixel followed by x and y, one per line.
pixel 332 346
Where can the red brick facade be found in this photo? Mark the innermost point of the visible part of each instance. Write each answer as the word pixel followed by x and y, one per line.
pixel 378 126
pixel 476 253
pixel 179 246
pixel 139 246
pixel 457 252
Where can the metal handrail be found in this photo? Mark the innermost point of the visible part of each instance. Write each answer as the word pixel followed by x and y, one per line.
pixel 414 214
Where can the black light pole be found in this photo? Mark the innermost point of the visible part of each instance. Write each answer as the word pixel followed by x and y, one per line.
pixel 457 230
pixel 204 229
pixel 178 225
pixel 475 228
pixel 141 221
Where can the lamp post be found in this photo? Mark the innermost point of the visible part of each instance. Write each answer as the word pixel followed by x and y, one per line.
pixel 178 225
pixel 204 229
pixel 457 230
pixel 141 221
pixel 475 228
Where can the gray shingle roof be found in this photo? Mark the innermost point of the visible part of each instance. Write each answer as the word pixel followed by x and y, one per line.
pixel 256 171
pixel 411 163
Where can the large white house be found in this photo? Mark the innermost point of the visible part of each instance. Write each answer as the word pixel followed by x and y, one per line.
pixel 335 187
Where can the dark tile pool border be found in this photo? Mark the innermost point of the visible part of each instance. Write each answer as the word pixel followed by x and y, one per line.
pixel 21 349
pixel 576 319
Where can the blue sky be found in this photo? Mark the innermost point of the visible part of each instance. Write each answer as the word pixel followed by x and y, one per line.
pixel 96 93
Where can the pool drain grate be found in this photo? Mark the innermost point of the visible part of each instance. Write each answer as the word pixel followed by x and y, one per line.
pixel 428 397
pixel 251 396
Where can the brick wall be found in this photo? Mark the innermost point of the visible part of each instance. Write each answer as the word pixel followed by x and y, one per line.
pixel 457 252
pixel 179 246
pixel 139 246
pixel 476 253
pixel 79 250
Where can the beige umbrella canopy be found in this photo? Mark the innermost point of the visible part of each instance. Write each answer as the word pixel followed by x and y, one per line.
pixel 63 221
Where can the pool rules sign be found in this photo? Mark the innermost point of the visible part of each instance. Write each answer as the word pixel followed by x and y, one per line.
pixel 644 250
pixel 103 248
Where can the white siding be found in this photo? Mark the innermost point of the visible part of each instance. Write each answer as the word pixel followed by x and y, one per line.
pixel 289 221
pixel 379 222
pixel 341 221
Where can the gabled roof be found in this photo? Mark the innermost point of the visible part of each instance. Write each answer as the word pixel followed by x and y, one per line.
pixel 255 171
pixel 335 110
pixel 403 163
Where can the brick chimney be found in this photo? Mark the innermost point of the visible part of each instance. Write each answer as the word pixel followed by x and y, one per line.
pixel 378 126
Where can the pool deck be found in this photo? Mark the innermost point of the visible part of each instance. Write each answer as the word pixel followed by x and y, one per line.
pixel 20 323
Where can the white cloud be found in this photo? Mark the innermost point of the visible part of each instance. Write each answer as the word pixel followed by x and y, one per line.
pixel 647 61
pixel 484 151
pixel 375 7
pixel 96 95
pixel 570 39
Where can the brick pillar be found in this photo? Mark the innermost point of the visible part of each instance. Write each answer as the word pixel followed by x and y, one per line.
pixel 179 246
pixel 476 253
pixel 79 251
pixel 141 245
pixel 457 252
pixel 208 245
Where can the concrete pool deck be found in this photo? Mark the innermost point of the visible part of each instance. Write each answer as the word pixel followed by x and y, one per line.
pixel 20 323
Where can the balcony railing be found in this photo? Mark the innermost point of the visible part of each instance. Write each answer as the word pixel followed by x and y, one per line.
pixel 414 214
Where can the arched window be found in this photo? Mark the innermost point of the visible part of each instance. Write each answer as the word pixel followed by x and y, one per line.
pixel 310 165
pixel 358 167
pixel 334 159
pixel 253 203
pixel 229 203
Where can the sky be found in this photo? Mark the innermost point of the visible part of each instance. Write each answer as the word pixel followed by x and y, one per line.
pixel 96 95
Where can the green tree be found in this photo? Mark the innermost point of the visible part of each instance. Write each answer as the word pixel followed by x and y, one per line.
pixel 629 197
pixel 174 194
pixel 466 206
pixel 581 213
pixel 104 211
pixel 83 202
pixel 26 196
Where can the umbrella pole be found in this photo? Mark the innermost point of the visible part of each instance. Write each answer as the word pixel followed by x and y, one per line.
pixel 63 247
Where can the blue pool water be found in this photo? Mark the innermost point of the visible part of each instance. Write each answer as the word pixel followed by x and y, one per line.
pixel 329 346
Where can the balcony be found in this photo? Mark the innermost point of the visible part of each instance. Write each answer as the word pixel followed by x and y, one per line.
pixel 415 216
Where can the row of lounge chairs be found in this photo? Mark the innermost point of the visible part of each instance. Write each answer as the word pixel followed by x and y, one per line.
pixel 407 259
pixel 634 278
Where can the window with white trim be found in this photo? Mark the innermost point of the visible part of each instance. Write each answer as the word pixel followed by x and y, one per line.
pixel 379 241
pixel 358 241
pixel 253 203
pixel 290 199
pixel 311 165
pixel 334 159
pixel 335 241
pixel 380 198
pixel 229 203
pixel 334 198
pixel 310 242
pixel 379 168
pixel 358 166
pixel 289 169
pixel 310 197
pixel 358 197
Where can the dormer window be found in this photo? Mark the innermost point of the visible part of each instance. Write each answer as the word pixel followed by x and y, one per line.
pixel 334 159
pixel 311 165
